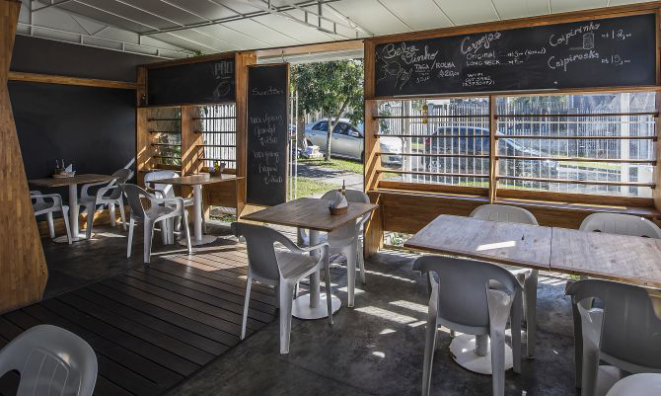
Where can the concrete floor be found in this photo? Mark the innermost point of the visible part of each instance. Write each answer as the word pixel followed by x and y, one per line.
pixel 375 348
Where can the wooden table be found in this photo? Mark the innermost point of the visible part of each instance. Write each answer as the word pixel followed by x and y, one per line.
pixel 618 257
pixel 72 183
pixel 314 215
pixel 622 258
pixel 196 182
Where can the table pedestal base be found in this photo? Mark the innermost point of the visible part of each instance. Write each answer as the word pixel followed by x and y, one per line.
pixel 463 351
pixel 206 239
pixel 74 238
pixel 302 310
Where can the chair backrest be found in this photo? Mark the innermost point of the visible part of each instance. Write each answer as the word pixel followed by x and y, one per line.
pixel 51 361
pixel 619 223
pixel 261 252
pixel 462 291
pixel 122 176
pixel 152 177
pixel 133 194
pixel 631 329
pixel 505 213
pixel 349 230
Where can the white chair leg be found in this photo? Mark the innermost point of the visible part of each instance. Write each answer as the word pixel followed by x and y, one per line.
pixel 361 262
pixel 185 225
pixel 499 305
pixel 67 227
pixel 90 220
pixel 130 238
pixel 171 223
pixel 530 301
pixel 285 296
pixel 329 295
pixel 591 323
pixel 517 313
pixel 430 347
pixel 350 253
pixel 164 232
pixel 246 303
pixel 148 234
pixel 121 212
pixel 111 209
pixel 51 225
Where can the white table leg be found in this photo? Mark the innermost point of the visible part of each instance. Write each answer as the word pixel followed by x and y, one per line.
pixel 198 237
pixel 73 217
pixel 313 305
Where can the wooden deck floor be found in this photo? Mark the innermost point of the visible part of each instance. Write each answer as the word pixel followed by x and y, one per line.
pixel 153 327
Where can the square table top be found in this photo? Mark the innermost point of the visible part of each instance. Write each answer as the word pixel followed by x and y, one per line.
pixel 310 213
pixel 68 181
pixel 523 245
pixel 622 258
pixel 195 180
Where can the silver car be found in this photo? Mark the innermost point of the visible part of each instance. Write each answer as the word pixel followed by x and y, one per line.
pixel 348 141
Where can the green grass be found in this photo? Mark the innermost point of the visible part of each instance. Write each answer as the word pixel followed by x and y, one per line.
pixel 307 187
pixel 336 164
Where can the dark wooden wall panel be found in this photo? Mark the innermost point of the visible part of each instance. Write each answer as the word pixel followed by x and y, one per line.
pixel 35 55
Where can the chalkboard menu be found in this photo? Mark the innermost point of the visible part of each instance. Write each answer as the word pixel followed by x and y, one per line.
pixel 192 83
pixel 268 93
pixel 599 53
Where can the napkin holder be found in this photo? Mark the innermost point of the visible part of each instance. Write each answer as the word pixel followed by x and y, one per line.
pixel 338 211
pixel 339 206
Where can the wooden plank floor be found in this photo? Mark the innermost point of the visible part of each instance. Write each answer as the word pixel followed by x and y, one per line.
pixel 153 327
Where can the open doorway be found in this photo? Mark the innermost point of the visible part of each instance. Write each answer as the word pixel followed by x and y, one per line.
pixel 326 95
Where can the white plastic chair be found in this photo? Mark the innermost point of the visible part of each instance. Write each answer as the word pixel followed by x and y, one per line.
pixel 51 361
pixel 625 332
pixel 162 190
pixel 282 269
pixel 637 385
pixel 41 207
pixel 160 209
pixel 346 240
pixel 527 277
pixel 109 195
pixel 463 299
pixel 622 224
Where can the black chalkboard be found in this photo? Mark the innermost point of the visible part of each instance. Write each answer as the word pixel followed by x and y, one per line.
pixel 192 83
pixel 268 95
pixel 98 137
pixel 600 53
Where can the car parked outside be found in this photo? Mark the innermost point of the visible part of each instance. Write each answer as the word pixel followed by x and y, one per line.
pixel 451 140
pixel 348 141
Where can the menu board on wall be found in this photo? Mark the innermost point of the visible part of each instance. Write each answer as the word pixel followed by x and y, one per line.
pixel 268 95
pixel 596 53
pixel 192 83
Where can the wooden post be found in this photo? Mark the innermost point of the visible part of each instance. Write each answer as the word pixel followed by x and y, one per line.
pixel 22 261
pixel 142 139
pixel 191 141
pixel 242 61
pixel 493 147
pixel 373 230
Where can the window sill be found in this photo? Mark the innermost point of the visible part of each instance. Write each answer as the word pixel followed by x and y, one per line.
pixel 648 212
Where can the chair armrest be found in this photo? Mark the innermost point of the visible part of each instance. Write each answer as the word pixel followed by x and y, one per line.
pixel 297 249
pixel 178 201
pixel 57 199
pixel 105 190
pixel 84 192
